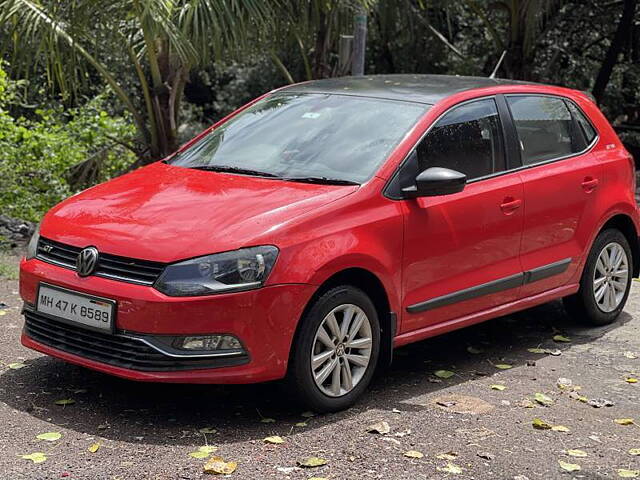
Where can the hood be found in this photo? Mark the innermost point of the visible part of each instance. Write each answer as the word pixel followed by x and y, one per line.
pixel 166 213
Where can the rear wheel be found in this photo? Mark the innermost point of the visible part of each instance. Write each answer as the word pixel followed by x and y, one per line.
pixel 336 350
pixel 605 281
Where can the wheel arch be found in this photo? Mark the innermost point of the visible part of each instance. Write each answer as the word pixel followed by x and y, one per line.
pixel 625 225
pixel 370 284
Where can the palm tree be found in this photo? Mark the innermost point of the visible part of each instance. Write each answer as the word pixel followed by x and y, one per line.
pixel 143 50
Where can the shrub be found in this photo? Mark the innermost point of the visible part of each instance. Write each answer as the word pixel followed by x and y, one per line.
pixel 37 154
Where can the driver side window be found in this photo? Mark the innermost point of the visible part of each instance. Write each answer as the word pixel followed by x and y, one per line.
pixel 467 139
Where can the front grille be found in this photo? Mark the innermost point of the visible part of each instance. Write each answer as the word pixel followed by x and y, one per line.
pixel 142 272
pixel 116 350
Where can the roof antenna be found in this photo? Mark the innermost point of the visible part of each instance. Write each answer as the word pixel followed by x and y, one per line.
pixel 495 70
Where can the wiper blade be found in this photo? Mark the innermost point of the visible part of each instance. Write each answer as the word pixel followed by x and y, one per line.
pixel 320 180
pixel 230 169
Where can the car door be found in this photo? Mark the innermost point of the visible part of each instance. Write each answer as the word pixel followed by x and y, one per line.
pixel 560 179
pixel 461 251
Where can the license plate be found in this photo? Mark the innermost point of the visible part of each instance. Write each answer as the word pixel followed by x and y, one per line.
pixel 92 312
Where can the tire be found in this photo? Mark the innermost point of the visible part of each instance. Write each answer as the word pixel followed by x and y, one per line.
pixel 344 302
pixel 583 305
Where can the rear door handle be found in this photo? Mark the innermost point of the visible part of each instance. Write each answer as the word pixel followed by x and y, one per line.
pixel 510 205
pixel 589 184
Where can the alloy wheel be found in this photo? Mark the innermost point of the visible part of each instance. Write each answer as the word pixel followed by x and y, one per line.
pixel 341 350
pixel 610 277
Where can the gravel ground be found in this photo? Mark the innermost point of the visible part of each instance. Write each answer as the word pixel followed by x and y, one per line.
pixel 146 431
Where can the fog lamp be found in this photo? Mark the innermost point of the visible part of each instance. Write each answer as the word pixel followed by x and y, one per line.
pixel 208 343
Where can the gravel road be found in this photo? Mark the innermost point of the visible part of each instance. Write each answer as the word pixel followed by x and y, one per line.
pixel 460 424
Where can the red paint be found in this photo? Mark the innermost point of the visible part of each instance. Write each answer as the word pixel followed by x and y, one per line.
pixel 418 249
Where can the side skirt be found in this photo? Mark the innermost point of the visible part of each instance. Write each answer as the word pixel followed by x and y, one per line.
pixel 454 324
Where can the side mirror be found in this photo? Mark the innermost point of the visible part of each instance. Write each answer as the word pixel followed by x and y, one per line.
pixel 436 181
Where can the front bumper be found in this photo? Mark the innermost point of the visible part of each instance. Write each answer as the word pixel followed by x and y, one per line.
pixel 264 320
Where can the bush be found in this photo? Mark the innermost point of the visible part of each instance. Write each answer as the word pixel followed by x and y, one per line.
pixel 37 154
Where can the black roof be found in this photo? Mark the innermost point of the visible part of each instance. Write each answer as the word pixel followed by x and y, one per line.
pixel 408 87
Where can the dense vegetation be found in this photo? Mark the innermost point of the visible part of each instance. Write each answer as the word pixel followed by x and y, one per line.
pixel 97 87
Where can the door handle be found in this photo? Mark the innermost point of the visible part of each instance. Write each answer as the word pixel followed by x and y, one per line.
pixel 510 205
pixel 589 184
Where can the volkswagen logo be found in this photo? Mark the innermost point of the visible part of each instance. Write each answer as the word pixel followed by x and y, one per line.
pixel 87 261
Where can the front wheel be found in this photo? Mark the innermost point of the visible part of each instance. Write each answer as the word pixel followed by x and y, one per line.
pixel 336 350
pixel 605 281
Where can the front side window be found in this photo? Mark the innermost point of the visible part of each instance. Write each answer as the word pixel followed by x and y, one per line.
pixel 467 139
pixel 296 136
pixel 544 126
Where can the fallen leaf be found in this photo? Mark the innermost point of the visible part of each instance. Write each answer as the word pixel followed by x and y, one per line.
pixel 560 428
pixel 93 448
pixel 624 421
pixel 381 427
pixel 3 312
pixel 577 453
pixel 526 403
pixel 555 352
pixel 218 465
pixel 208 430
pixel 413 454
pixel 631 380
pixel 503 366
pixel 49 436
pixel 203 452
pixel 268 420
pixel 198 454
pixel 447 456
pixel 275 439
pixel 301 424
pixel 450 468
pixel 36 457
pixel 543 399
pixel 65 401
pixel 444 373
pixel 312 462
pixel 564 383
pixel 498 387
pixel 634 451
pixel 540 424
pixel 569 467
pixel 207 448
pixel 561 339
pixel 537 350
pixel 395 410
pixel 577 396
pixel 624 473
pixel 630 355
pixel 17 366
pixel 474 350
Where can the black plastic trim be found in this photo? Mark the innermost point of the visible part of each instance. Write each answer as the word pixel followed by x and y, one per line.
pixel 547 271
pixel 494 286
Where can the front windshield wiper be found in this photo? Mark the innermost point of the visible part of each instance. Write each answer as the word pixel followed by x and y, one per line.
pixel 320 180
pixel 230 169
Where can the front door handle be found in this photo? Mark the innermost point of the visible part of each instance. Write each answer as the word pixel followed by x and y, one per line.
pixel 510 205
pixel 589 184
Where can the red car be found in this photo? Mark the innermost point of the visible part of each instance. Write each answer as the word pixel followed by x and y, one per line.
pixel 314 230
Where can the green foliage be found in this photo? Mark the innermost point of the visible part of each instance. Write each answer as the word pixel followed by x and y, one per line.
pixel 36 154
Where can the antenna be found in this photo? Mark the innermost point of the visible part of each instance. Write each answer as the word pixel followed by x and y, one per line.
pixel 495 70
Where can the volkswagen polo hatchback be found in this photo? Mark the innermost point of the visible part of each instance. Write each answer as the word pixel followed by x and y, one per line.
pixel 314 230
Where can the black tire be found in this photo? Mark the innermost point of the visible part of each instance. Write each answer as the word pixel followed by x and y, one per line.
pixel 300 378
pixel 583 306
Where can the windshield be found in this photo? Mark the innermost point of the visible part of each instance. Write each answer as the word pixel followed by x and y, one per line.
pixel 300 136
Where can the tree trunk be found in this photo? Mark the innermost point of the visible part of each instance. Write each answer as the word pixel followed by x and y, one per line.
pixel 611 58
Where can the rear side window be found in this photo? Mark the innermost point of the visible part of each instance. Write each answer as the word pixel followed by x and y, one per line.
pixel 467 139
pixel 585 126
pixel 545 128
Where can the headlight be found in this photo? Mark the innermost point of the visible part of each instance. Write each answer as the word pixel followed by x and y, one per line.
pixel 234 271
pixel 32 246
